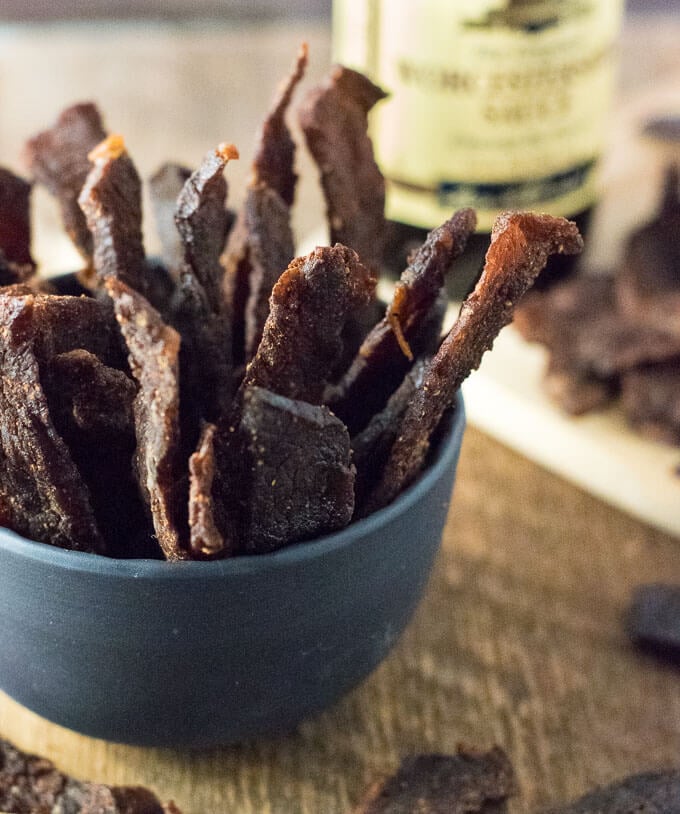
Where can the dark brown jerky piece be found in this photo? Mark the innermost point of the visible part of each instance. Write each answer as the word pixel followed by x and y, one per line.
pixel 309 307
pixel 295 471
pixel 154 360
pixel 112 202
pixel 466 783
pixel 42 493
pixel 385 355
pixel 577 392
pixel 334 119
pixel 651 400
pixel 649 793
pixel 273 164
pixel 653 620
pixel 520 246
pixel 16 263
pixel 57 158
pixel 165 186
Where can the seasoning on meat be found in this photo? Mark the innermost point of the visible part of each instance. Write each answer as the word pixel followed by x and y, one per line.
pixel 58 159
pixel 467 783
pixel 165 186
pixel 16 263
pixel 309 306
pixel 520 246
pixel 386 353
pixel 153 349
pixel 334 120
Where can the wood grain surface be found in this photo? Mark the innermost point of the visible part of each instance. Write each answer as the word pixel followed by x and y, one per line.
pixel 519 640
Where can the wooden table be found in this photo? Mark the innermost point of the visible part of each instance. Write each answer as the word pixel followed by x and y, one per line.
pixel 520 638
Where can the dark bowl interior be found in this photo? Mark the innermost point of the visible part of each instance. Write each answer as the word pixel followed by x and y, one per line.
pixel 205 653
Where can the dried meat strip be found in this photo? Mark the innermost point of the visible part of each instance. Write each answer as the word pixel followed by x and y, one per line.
pixel 58 159
pixel 334 120
pixel 309 307
pixel 33 785
pixel 650 397
pixel 16 263
pixel 467 783
pixel 165 186
pixel 153 349
pixel 520 246
pixel 42 493
pixel 651 792
pixel 387 352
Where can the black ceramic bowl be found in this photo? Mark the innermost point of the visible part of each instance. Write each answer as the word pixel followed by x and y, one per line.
pixel 206 653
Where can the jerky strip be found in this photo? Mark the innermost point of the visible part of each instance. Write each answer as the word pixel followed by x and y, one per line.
pixel 653 621
pixel 15 229
pixel 385 355
pixel 309 306
pixel 112 202
pixel 57 158
pixel 42 494
pixel 466 783
pixel 33 785
pixel 273 165
pixel 334 120
pixel 153 355
pixel 520 246
pixel 652 792
pixel 165 186
pixel 651 400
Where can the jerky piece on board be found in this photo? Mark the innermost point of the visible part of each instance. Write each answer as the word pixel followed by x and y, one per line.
pixel 296 472
pixel 649 793
pixel 577 392
pixel 334 120
pixel 165 186
pixel 42 494
pixel 520 246
pixel 57 158
pixel 16 263
pixel 651 400
pixel 387 352
pixel 653 620
pixel 467 783
pixel 153 349
pixel 112 202
pixel 309 306
pixel 33 785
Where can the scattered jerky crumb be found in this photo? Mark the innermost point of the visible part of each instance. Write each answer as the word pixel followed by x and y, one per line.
pixel 467 783
pixel 649 793
pixel 15 228
pixel 520 246
pixel 653 620
pixel 385 355
pixel 334 120
pixel 57 158
pixel 153 354
pixel 309 307
pixel 165 186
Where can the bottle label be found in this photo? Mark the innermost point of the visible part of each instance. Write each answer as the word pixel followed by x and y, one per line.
pixel 495 104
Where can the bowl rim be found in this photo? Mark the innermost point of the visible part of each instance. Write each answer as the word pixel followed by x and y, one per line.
pixel 85 562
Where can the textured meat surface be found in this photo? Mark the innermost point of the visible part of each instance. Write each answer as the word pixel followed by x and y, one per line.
pixel 466 783
pixel 309 306
pixel 388 350
pixel 57 158
pixel 520 247
pixel 649 793
pixel 334 120
pixel 15 229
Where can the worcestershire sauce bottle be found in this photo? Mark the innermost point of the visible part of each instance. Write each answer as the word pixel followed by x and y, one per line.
pixel 494 104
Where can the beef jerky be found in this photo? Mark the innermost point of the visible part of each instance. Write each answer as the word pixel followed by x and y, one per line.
pixel 309 306
pixel 334 120
pixel 653 620
pixel 520 246
pixel 652 793
pixel 387 352
pixel 577 392
pixel 42 493
pixel 57 158
pixel 445 784
pixel 165 186
pixel 16 263
pixel 33 785
pixel 651 400
pixel 273 164
pixel 112 202
pixel 295 471
pixel 153 349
